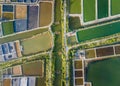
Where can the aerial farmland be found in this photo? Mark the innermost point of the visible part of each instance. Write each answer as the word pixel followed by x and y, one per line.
pixel 59 42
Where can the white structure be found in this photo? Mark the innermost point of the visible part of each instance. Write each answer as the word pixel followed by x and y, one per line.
pixel 23 81
pixel 31 81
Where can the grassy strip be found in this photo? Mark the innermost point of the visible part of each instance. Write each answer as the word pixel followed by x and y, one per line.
pixel 22 35
pixel 71 71
pixel 57 56
pixel 99 31
pixel 23 60
pixel 99 43
pixel 58 45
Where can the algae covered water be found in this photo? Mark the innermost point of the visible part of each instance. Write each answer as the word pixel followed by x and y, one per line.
pixel 104 73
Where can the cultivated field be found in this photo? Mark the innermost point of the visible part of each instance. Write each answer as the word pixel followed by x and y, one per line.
pixel 21 12
pixel 102 8
pixel 78 65
pixel 106 30
pixel 8 28
pixel 79 73
pixel 104 73
pixel 45 15
pixel 32 17
pixel 21 36
pixel 117 49
pixel 33 69
pixel 75 6
pixel 104 51
pixel 6 82
pixel 89 10
pixel 17 70
pixel 7 8
pixel 90 54
pixel 79 81
pixel 115 7
pixel 20 25
pixel 7 16
pixel 35 44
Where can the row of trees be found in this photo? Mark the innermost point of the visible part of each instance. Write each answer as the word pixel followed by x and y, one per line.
pixel 58 51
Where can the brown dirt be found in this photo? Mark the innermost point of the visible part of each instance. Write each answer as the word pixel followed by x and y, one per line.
pixel 17 70
pixel 104 51
pixel 17 47
pixel 79 81
pixel 45 16
pixel 7 82
pixel 8 16
pixel 33 69
pixel 78 64
pixel 79 73
pixel 21 12
pixel 117 49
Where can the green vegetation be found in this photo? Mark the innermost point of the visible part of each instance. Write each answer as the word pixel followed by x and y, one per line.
pixel 22 35
pixel 102 8
pixel 75 6
pixel 7 28
pixel 1 75
pixel 40 42
pixel 99 31
pixel 115 7
pixel 104 73
pixel 41 81
pixel 89 10
pixel 13 0
pixel 102 42
pixel 71 40
pixel 57 55
pixel 71 57
pixel 74 23
pixel 71 73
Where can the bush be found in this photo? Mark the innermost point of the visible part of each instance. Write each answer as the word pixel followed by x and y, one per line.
pixel 74 23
